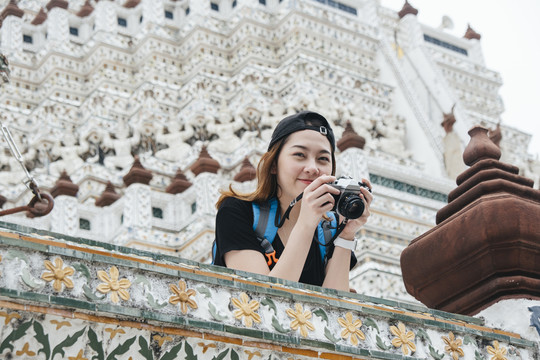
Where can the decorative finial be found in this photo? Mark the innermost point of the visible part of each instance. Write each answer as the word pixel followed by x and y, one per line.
pixel 449 120
pixel 179 184
pixel 406 10
pixel 86 9
pixel 350 139
pixel 480 147
pixel 40 17
pixel 471 34
pixel 205 163
pixel 247 171
pixel 137 174
pixel 108 196
pixel 131 3
pixel 63 4
pixel 11 10
pixel 64 186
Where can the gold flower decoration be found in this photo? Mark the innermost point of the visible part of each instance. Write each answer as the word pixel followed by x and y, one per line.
pixel 58 274
pixel 497 352
pixel 403 338
pixel 246 309
pixel 301 320
pixel 113 285
pixel 182 296
pixel 78 357
pixel 351 329
pixel 453 346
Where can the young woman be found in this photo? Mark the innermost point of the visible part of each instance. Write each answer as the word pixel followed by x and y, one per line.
pixel 300 160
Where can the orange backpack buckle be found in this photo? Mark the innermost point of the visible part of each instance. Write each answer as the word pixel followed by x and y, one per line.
pixel 271 258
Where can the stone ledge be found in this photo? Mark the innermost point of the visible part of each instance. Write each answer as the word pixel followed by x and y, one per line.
pixel 122 299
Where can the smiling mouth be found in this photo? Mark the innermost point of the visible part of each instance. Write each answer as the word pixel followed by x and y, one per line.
pixel 305 181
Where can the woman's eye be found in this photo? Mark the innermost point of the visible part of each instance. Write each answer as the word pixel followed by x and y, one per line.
pixel 298 154
pixel 325 159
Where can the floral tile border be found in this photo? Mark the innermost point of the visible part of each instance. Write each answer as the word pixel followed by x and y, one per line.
pixel 184 297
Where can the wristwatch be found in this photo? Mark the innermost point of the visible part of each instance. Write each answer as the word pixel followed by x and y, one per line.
pixel 346 244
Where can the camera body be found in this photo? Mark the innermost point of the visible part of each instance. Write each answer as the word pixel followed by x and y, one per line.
pixel 348 203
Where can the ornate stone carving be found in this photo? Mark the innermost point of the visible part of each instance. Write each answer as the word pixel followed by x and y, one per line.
pixel 11 34
pixel 64 215
pixel 58 24
pixel 224 127
pixel 137 206
pixel 175 139
pixel 122 144
pixel 67 153
pixel 392 136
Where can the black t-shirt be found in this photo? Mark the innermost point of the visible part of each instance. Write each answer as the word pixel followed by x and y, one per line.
pixel 234 231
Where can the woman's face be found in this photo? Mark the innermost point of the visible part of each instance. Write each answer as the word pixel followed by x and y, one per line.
pixel 305 156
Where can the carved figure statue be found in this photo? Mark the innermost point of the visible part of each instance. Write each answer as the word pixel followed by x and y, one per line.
pixel 150 110
pixel 392 136
pixel 225 127
pixel 177 148
pixel 68 152
pixel 358 114
pixel 122 145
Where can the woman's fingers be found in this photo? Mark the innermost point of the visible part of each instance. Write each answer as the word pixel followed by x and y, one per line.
pixel 319 192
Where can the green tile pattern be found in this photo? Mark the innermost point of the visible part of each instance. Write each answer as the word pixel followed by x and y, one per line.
pixel 408 188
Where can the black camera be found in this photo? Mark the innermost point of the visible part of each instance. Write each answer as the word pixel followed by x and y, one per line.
pixel 348 203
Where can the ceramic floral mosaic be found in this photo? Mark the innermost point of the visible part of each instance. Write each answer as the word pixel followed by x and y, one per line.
pixel 105 304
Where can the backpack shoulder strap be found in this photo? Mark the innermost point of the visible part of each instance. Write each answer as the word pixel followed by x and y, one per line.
pixel 264 227
pixel 325 233
pixel 263 219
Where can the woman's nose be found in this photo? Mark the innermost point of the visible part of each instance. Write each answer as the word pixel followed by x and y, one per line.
pixel 311 168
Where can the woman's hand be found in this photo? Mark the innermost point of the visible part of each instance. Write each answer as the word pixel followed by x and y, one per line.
pixel 353 225
pixel 317 199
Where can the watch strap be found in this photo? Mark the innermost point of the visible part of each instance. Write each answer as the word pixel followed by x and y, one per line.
pixel 346 244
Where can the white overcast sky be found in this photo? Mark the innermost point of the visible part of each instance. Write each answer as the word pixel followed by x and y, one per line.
pixel 510 41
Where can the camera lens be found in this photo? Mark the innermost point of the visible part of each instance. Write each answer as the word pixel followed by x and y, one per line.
pixel 351 206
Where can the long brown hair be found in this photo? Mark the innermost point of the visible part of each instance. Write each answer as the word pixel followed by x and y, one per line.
pixel 267 186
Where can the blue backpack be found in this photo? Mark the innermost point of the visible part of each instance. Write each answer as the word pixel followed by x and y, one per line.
pixel 265 228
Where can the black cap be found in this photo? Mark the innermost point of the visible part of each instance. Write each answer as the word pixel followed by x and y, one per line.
pixel 304 120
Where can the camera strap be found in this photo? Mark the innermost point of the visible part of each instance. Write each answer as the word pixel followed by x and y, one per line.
pixel 279 222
